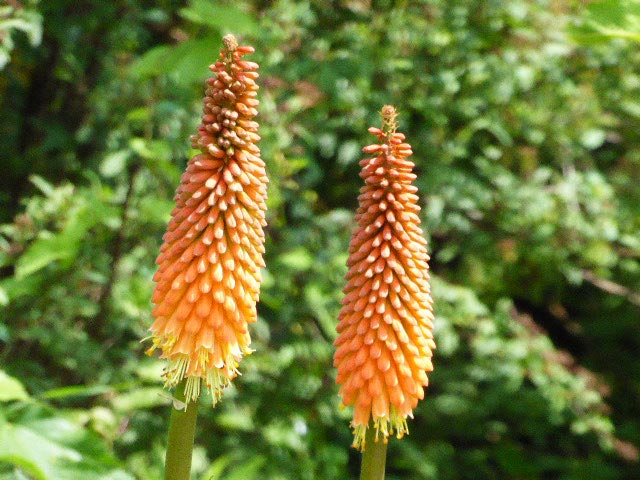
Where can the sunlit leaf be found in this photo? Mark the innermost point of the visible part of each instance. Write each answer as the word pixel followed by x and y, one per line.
pixel 11 388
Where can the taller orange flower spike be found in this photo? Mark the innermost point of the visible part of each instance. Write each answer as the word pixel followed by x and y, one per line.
pixel 208 280
pixel 385 341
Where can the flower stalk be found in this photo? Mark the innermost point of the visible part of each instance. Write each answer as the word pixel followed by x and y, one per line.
pixel 182 430
pixel 374 457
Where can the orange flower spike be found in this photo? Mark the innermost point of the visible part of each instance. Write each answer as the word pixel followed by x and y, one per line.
pixel 208 278
pixel 385 341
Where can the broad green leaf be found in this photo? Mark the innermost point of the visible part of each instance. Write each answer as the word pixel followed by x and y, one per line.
pixel 247 470
pixel 78 391
pixel 217 467
pixel 43 252
pixel 593 138
pixel 11 388
pixel 154 150
pixel 52 449
pixel 298 259
pixel 186 63
pixel 152 63
pixel 114 163
pixel 139 398
pixel 236 419
pixel 224 18
pixel 609 19
pixel 4 298
pixel 192 59
pixel 42 185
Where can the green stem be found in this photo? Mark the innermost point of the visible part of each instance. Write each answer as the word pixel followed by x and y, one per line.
pixel 374 457
pixel 182 428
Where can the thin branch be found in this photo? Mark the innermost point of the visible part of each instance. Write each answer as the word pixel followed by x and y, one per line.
pixel 612 287
pixel 98 324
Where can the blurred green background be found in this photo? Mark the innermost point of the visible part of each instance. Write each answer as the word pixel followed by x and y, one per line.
pixel 525 122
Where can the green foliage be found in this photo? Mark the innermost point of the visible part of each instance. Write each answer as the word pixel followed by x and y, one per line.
pixel 46 443
pixel 18 19
pixel 528 161
pixel 11 389
pixel 189 59
pixel 609 19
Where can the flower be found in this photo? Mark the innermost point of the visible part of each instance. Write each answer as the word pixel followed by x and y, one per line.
pixel 208 279
pixel 385 340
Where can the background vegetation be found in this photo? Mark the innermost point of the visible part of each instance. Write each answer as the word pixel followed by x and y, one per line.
pixel 524 117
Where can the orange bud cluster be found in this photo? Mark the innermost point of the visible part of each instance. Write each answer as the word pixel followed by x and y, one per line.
pixel 208 279
pixel 385 341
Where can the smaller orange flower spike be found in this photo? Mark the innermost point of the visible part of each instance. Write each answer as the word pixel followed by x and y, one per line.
pixel 385 341
pixel 208 280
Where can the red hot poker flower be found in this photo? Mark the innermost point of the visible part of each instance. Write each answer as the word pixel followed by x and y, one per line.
pixel 385 341
pixel 208 279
